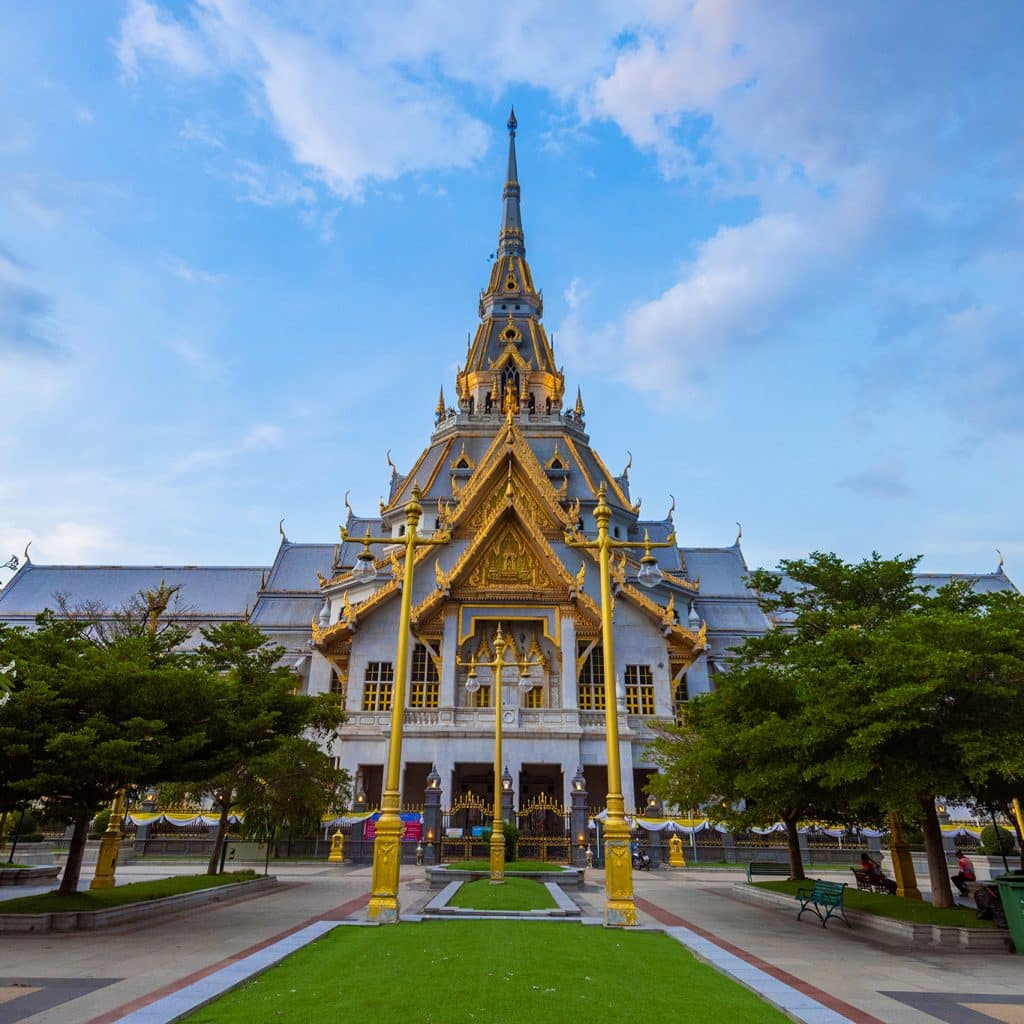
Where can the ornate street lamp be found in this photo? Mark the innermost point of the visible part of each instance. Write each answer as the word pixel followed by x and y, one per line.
pixel 620 910
pixel 502 781
pixel 387 846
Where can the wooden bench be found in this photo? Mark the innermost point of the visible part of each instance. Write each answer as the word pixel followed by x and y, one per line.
pixel 867 883
pixel 825 899
pixel 768 867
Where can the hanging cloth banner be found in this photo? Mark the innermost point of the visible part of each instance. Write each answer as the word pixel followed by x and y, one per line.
pixel 180 820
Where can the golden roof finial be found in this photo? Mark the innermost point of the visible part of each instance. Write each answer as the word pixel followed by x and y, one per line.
pixel 672 509
pixel 280 530
pixel 579 404
pixel 394 470
pixel 348 507
pixel 581 576
pixel 629 463
pixel 440 404
pixel 739 535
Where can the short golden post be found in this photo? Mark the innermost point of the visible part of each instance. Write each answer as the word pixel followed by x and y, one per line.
pixel 110 843
pixel 620 910
pixel 387 846
pixel 337 854
pixel 497 665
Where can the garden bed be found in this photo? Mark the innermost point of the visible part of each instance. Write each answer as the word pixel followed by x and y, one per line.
pixel 107 908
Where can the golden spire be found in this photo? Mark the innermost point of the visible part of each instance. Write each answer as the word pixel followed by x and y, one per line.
pixel 440 404
pixel 579 404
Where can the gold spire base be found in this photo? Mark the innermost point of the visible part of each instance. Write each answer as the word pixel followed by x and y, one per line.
pixel 387 851
pixel 110 847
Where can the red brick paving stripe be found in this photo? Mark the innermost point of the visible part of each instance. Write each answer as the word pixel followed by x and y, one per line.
pixel 335 914
pixel 666 917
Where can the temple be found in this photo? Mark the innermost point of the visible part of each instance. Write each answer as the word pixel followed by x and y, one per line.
pixel 506 472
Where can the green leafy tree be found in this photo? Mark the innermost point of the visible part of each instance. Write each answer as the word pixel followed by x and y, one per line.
pixel 83 719
pixel 257 709
pixel 289 789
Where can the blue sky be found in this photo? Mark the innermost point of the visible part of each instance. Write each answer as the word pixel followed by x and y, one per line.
pixel 781 246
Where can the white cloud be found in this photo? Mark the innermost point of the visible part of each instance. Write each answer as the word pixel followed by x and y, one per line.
pixel 147 33
pixel 258 437
pixel 193 275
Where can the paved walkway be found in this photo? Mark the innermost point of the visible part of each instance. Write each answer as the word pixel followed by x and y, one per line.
pixel 143 972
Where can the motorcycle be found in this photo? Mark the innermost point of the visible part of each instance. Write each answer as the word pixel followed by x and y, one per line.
pixel 641 861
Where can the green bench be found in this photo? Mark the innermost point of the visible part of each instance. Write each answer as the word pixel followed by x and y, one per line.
pixel 825 899
pixel 768 867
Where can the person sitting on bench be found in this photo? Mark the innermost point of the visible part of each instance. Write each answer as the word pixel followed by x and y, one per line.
pixel 873 870
pixel 965 874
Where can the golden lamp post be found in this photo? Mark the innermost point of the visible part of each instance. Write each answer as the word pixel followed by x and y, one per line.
pixel 387 845
pixel 110 843
pixel 497 665
pixel 620 910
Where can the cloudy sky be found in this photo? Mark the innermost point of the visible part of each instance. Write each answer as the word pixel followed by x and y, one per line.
pixel 782 248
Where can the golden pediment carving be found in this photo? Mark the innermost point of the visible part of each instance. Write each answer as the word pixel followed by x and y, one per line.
pixel 525 503
pixel 509 562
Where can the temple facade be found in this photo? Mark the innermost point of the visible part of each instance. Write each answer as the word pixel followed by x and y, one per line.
pixel 506 474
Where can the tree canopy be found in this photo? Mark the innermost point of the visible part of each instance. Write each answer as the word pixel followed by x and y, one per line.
pixel 872 694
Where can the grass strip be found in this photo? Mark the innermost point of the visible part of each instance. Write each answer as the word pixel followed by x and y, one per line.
pixel 512 894
pixel 135 892
pixel 511 865
pixel 897 907
pixel 515 972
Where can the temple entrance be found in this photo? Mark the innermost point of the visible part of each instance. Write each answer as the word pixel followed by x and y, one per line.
pixel 545 830
pixel 370 783
pixel 462 829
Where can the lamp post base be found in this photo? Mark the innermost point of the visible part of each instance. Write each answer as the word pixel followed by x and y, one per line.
pixel 387 851
pixel 497 855
pixel 620 910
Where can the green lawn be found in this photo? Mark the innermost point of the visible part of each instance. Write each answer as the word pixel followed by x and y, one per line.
pixel 479 972
pixel 103 899
pixel 510 865
pixel 918 911
pixel 512 894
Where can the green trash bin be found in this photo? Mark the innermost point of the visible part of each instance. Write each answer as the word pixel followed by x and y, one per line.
pixel 1011 892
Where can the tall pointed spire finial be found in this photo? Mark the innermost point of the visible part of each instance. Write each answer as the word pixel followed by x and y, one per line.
pixel 510 238
pixel 579 404
pixel 440 405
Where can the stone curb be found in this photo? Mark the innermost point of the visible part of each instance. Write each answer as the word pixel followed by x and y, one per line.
pixel 28 876
pixel 889 930
pixel 91 920
pixel 439 876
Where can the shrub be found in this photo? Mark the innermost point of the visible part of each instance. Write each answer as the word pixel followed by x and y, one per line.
pixel 100 823
pixel 29 825
pixel 511 834
pixel 996 841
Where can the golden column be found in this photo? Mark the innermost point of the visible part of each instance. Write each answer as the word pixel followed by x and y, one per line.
pixel 387 846
pixel 902 862
pixel 620 910
pixel 497 665
pixel 110 844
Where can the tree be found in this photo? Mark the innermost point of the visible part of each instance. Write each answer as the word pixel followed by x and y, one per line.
pixel 84 719
pixel 257 709
pixel 289 788
pixel 742 753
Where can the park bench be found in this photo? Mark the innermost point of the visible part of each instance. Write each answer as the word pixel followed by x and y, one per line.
pixel 866 883
pixel 768 867
pixel 824 898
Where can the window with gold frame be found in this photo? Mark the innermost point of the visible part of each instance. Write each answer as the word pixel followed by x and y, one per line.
pixel 639 690
pixel 590 686
pixel 481 698
pixel 378 686
pixel 534 698
pixel 425 684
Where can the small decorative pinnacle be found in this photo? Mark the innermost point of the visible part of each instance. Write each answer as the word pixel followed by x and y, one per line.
pixel 512 123
pixel 440 405
pixel 579 404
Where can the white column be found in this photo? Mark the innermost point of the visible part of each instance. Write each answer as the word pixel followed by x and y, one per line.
pixel 449 649
pixel 568 695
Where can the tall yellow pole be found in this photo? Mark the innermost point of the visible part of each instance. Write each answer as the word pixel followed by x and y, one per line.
pixel 498 821
pixel 387 846
pixel 620 910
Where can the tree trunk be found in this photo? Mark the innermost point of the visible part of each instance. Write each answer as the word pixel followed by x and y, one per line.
pixel 796 860
pixel 224 799
pixel 1011 816
pixel 76 850
pixel 938 871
